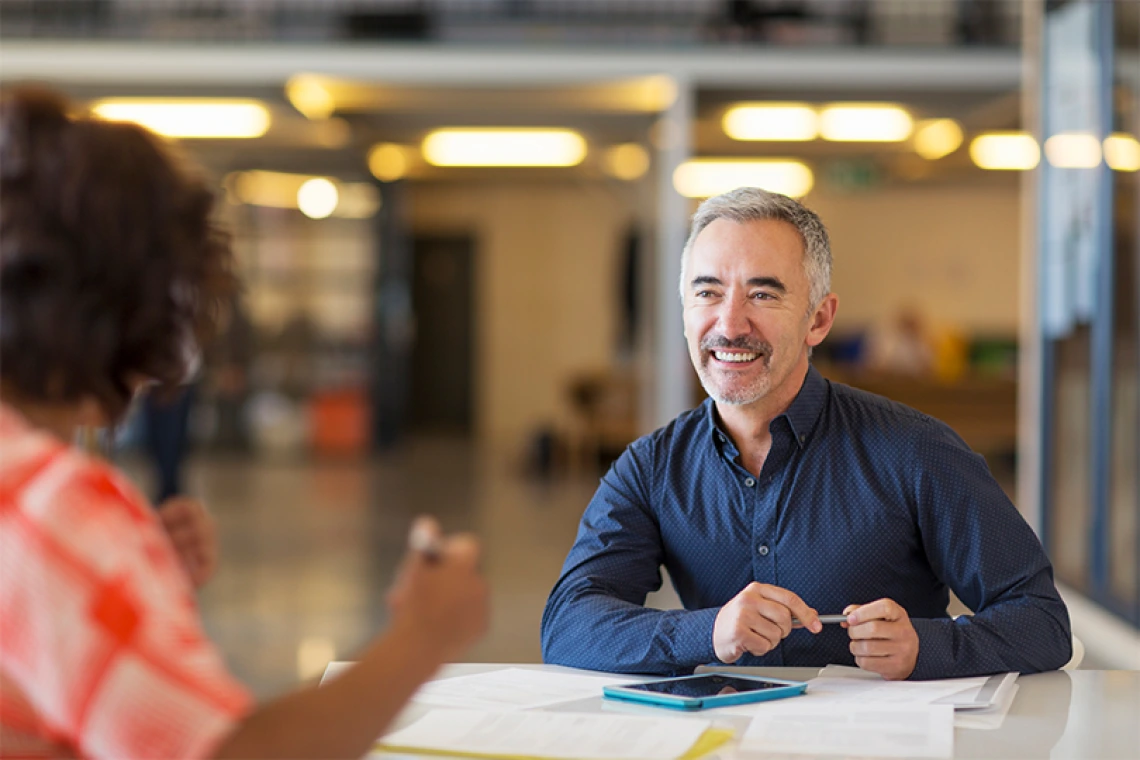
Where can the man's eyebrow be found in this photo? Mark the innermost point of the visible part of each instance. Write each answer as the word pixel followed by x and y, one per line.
pixel 768 282
pixel 705 279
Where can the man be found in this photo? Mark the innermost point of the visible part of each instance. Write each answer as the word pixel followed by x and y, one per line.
pixel 785 495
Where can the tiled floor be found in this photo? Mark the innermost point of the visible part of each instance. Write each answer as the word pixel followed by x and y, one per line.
pixel 309 548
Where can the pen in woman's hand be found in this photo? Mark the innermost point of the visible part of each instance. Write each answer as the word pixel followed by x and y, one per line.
pixel 425 539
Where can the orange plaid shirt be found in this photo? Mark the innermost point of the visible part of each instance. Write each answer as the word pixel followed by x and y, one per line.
pixel 102 652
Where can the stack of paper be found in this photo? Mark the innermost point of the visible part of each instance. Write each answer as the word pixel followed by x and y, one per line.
pixel 557 735
pixel 852 730
pixel 511 689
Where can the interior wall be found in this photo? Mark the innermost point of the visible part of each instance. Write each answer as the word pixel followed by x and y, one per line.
pixel 548 260
pixel 950 250
pixel 547 263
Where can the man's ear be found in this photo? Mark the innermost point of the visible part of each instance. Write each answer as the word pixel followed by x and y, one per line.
pixel 822 319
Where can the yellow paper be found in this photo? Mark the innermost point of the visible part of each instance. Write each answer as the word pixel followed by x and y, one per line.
pixel 710 740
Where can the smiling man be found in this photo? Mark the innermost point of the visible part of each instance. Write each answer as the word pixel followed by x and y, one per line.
pixel 786 496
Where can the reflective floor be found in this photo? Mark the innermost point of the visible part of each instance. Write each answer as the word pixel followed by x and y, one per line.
pixel 310 547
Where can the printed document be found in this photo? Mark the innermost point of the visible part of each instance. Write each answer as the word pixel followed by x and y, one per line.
pixel 511 689
pixel 852 730
pixel 548 735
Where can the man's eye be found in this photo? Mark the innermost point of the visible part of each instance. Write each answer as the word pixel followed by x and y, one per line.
pixel 762 296
pixel 704 294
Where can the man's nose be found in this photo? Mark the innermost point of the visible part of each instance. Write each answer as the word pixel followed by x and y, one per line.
pixel 733 319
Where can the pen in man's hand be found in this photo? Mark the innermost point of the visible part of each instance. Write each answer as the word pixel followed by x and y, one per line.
pixel 825 619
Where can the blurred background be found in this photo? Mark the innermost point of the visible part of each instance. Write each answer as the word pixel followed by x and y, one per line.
pixel 459 225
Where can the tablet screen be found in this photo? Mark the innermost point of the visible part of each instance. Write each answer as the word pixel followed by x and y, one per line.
pixel 710 685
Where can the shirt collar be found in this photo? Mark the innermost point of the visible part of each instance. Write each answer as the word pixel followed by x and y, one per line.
pixel 801 415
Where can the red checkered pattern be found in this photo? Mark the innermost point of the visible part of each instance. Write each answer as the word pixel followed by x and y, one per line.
pixel 102 653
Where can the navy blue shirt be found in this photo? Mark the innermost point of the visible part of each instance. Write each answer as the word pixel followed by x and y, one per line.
pixel 860 498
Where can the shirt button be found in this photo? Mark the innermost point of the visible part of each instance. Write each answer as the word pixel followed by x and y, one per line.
pixel 749 482
pixel 762 550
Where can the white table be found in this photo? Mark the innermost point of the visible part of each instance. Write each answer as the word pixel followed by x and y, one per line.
pixel 1086 714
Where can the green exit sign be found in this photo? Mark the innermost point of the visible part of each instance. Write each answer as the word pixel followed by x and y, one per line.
pixel 852 175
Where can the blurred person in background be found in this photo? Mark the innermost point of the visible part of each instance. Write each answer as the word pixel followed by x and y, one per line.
pixel 110 271
pixel 785 494
pixel 901 345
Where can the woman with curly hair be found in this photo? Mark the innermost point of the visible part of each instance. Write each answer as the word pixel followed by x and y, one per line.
pixel 112 272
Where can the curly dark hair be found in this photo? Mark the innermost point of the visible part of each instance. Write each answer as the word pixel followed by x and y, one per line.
pixel 111 263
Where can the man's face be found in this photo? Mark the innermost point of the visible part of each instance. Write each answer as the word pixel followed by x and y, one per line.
pixel 746 309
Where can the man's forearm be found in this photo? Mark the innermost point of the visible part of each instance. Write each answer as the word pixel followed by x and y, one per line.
pixel 1024 635
pixel 599 632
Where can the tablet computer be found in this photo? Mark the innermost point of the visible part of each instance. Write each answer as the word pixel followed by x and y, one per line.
pixel 700 692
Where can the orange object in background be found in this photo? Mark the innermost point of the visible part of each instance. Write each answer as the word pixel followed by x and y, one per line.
pixel 340 421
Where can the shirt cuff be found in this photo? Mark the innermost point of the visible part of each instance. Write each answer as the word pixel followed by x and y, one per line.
pixel 693 638
pixel 935 650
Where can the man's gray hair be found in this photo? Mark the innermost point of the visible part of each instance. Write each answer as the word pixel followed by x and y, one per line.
pixel 750 204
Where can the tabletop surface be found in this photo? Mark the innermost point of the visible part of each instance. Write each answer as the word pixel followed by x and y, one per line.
pixel 1087 714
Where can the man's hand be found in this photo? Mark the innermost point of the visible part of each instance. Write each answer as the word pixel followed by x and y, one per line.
pixel 883 639
pixel 757 619
pixel 194 535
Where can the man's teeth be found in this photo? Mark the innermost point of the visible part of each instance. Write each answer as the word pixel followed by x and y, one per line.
pixel 725 356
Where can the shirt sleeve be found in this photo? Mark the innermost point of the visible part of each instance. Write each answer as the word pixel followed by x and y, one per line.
pixel 981 547
pixel 108 647
pixel 595 617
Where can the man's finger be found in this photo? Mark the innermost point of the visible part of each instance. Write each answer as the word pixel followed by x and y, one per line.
pixel 799 609
pixel 880 609
pixel 876 629
pixel 757 643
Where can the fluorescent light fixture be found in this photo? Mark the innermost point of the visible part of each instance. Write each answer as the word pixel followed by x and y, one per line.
pixel 935 138
pixel 190 117
pixel 1073 150
pixel 488 146
pixel 627 161
pixel 771 121
pixel 310 96
pixel 388 162
pixel 865 122
pixel 1122 152
pixel 705 177
pixel 1005 151
pixel 317 198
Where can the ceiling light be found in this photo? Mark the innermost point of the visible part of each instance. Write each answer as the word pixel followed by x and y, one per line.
pixel 1122 152
pixel 1005 151
pixel 310 96
pixel 627 161
pixel 705 177
pixel 388 162
pixel 1073 150
pixel 865 122
pixel 504 147
pixel 317 198
pixel 935 138
pixel 189 117
pixel 771 121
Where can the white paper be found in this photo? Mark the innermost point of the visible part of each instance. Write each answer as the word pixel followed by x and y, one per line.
pixel 860 691
pixel 989 718
pixel 854 731
pixel 550 734
pixel 511 689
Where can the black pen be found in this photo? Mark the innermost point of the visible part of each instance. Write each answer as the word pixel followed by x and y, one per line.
pixel 825 619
